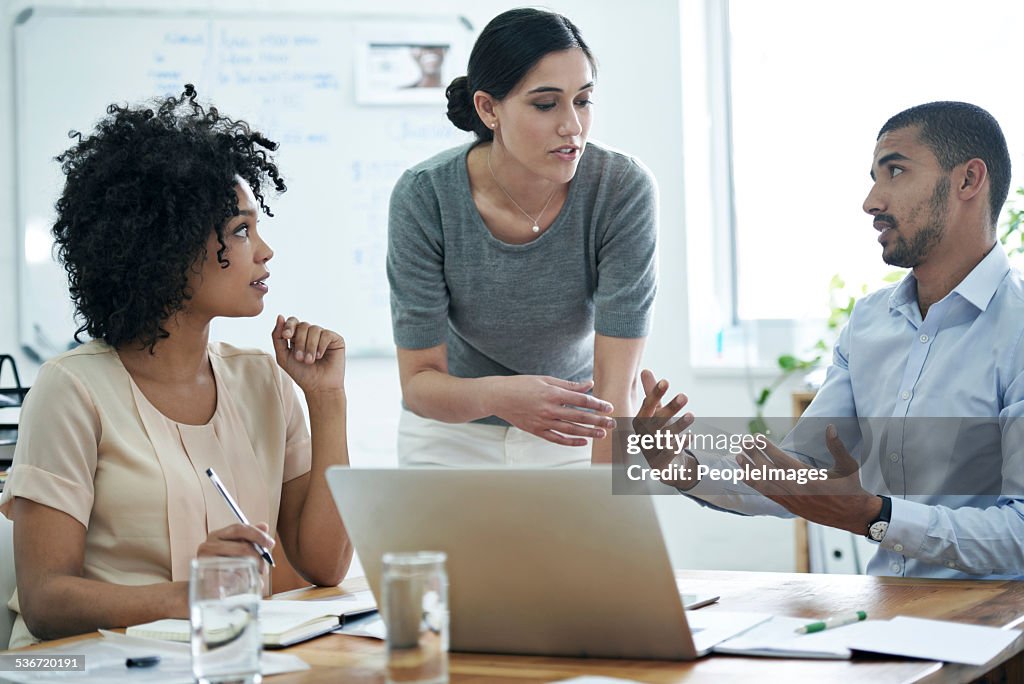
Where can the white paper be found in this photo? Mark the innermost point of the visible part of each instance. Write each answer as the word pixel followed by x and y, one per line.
pixel 909 637
pixel 105 662
pixel 337 605
pixel 778 638
pixel 953 642
pixel 371 626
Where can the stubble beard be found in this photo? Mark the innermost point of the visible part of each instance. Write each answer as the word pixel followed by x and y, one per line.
pixel 909 254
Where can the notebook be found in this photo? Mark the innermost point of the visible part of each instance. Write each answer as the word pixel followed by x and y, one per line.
pixel 777 638
pixel 901 636
pixel 282 623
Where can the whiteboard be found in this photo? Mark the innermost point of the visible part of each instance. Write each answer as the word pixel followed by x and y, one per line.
pixel 295 78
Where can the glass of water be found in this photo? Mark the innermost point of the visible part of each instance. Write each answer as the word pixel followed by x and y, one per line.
pixel 414 605
pixel 224 603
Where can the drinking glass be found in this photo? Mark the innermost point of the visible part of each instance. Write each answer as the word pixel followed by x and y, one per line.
pixel 224 603
pixel 414 606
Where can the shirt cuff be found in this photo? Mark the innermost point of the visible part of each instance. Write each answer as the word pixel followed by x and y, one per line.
pixel 732 496
pixel 907 527
pixel 629 325
pixel 46 488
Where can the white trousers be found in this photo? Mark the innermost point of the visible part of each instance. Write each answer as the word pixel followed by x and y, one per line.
pixel 427 442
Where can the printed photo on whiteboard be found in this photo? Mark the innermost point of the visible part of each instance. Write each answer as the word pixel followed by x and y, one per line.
pixel 409 62
pixel 403 72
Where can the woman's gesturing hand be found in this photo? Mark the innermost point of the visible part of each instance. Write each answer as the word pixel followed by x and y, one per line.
pixel 314 357
pixel 557 410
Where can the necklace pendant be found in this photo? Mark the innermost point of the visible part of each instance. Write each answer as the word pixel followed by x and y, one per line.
pixel 536 229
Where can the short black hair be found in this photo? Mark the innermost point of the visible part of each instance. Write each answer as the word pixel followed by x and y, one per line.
pixel 508 47
pixel 957 132
pixel 143 192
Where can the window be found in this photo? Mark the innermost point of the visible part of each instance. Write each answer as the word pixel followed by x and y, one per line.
pixel 794 93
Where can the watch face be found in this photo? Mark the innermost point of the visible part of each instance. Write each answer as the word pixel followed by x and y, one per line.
pixel 877 530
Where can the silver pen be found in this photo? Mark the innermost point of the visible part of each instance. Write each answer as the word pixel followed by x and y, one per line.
pixel 238 513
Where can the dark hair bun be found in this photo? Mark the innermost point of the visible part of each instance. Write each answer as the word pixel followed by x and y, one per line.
pixel 460 104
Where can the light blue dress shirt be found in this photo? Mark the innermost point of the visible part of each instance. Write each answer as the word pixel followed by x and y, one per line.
pixel 932 408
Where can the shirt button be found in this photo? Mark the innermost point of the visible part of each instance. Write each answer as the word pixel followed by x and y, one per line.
pixel 924 338
pixel 950 564
pixel 898 548
pixel 905 395
pixel 895 567
pixel 894 457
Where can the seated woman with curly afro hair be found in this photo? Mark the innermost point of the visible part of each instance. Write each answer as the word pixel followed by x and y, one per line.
pixel 157 230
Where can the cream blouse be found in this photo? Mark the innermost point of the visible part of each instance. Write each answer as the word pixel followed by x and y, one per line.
pixel 90 444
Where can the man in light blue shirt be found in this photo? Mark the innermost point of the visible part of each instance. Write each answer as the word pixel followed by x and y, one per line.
pixel 926 387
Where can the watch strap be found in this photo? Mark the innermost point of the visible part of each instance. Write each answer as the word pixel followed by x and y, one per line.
pixel 885 515
pixel 879 526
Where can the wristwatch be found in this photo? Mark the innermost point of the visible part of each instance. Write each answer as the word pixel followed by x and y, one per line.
pixel 878 527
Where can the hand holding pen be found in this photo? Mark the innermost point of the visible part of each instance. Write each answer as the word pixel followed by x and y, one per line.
pixel 254 534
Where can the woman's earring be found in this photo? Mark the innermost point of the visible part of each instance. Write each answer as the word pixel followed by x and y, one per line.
pixel 494 125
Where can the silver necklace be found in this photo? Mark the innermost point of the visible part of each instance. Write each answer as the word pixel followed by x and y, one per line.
pixel 534 221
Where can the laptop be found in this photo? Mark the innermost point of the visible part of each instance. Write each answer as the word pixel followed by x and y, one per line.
pixel 540 561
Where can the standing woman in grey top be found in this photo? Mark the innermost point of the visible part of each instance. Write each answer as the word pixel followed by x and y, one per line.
pixel 521 265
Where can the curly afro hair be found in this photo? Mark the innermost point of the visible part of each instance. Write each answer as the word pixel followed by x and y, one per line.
pixel 143 192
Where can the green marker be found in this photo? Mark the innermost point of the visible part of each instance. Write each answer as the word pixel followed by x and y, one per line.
pixel 832 622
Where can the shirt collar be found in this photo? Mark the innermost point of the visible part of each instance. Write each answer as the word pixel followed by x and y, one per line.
pixel 904 293
pixel 978 287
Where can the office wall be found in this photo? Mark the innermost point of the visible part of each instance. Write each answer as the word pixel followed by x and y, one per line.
pixel 638 110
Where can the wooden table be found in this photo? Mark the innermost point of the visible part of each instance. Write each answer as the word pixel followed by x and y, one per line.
pixel 337 658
